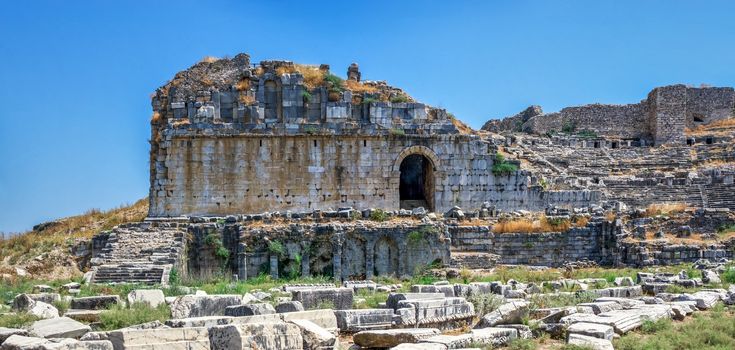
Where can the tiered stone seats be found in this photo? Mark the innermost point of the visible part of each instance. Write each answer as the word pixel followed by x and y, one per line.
pixel 138 253
pixel 720 196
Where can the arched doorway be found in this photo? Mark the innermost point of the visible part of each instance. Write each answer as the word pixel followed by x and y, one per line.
pixel 417 182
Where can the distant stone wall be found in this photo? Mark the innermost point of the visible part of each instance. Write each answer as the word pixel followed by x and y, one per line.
pixel 660 119
pixel 595 242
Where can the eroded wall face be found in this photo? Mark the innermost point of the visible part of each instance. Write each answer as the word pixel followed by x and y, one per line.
pixel 250 174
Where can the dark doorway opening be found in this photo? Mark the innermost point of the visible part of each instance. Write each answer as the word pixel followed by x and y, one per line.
pixel 417 183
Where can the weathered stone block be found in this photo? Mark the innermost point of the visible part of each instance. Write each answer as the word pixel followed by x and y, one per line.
pixel 255 336
pixel 335 298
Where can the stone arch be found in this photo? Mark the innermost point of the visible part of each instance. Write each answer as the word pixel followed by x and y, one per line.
pixel 385 257
pixel 320 258
pixel 422 150
pixel 353 258
pixel 416 170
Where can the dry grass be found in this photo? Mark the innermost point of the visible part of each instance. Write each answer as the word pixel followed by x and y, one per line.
pixel 243 85
pixel 182 122
pixel 313 76
pixel 462 127
pixel 610 216
pixel 582 221
pixel 209 59
pixel 665 209
pixel 356 86
pixel 246 99
pixel 526 225
pixel 156 117
pixel 705 128
pixel 55 239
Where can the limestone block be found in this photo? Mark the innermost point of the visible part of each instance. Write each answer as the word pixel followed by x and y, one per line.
pixel 495 336
pixel 420 346
pixel 592 330
pixel 48 298
pixel 394 298
pixel 450 341
pixel 18 342
pixel 253 336
pixel 709 276
pixel 160 339
pixel 100 302
pixel 60 327
pixel 337 298
pixel 431 311
pixel 203 305
pixel 363 319
pixel 590 342
pixel 447 290
pixel 250 310
pixel 323 318
pixel 152 297
pixel 508 313
pixel 289 306
pixel 392 337
pixel 5 333
pixel 602 306
pixel 88 316
pixel 203 321
pixel 315 337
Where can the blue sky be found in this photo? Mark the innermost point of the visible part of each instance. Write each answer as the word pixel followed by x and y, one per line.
pixel 75 76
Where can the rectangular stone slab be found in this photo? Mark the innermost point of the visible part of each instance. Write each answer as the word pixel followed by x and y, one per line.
pixel 256 336
pixel 592 330
pixel 363 319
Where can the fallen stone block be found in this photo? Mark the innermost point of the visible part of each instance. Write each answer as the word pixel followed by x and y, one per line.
pixel 394 298
pixel 706 300
pixel 333 298
pixel 203 305
pixel 449 341
pixel 48 298
pixel 508 313
pixel 592 330
pixel 152 297
pixel 420 346
pixel 250 310
pixel 323 318
pixel 361 285
pixel 256 336
pixel 619 292
pixel 160 339
pixel 602 306
pixel 315 337
pixel 5 333
pixel 60 327
pixel 524 332
pixel 204 321
pixel 655 287
pixel 447 290
pixel 17 342
pixel 289 306
pixel 392 337
pixel 495 336
pixel 100 302
pixel 88 316
pixel 40 309
pixel 624 302
pixel 624 281
pixel 623 321
pixel 590 342
pixel 440 312
pixel 363 319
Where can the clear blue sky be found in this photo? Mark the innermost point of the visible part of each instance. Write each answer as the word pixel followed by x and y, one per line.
pixel 75 76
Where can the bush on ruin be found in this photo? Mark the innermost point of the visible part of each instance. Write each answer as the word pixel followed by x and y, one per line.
pixel 399 99
pixel 334 83
pixel 378 215
pixel 502 166
pixel 119 316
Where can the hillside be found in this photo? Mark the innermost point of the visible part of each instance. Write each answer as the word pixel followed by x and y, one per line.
pixel 45 252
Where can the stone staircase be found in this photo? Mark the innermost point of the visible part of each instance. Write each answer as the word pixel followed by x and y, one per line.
pixel 138 253
pixel 720 196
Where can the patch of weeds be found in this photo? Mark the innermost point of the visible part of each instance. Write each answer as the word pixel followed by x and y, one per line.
pixel 311 129
pixel 276 248
pixel 372 299
pixel 587 134
pixel 18 320
pixel 650 327
pixel 369 100
pixel 502 166
pixel 306 95
pixel 117 316
pixel 485 303
pixel 324 304
pixel 568 127
pixel 399 99
pixel 729 275
pixel 334 83
pixel 522 344
pixel 378 215
pixel 397 132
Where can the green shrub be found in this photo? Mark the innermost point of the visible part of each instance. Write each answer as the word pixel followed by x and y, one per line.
pixel 310 129
pixel 587 134
pixel 650 327
pixel 568 127
pixel 334 83
pixel 503 167
pixel 397 132
pixel 306 95
pixel 486 303
pixel 378 215
pixel 522 344
pixel 119 317
pixel 369 100
pixel 277 248
pixel 729 275
pixel 399 99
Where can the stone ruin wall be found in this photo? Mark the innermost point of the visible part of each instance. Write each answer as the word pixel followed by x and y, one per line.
pixel 660 119
pixel 345 251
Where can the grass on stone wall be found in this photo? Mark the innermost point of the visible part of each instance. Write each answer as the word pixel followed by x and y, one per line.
pixel 17 320
pixel 118 316
pixel 525 225
pixel 665 209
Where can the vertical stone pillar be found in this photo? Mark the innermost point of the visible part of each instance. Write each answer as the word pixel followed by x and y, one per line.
pixel 370 259
pixel 242 262
pixel 337 259
pixel 274 266
pixel 305 270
